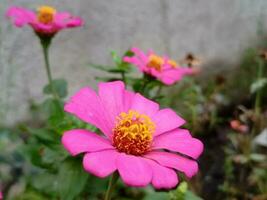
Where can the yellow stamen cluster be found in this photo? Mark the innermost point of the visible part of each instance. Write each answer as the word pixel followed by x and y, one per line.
pixel 173 63
pixel 133 133
pixel 46 14
pixel 155 62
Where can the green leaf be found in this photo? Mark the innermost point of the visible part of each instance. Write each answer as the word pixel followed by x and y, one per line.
pixel 120 64
pixel 183 193
pixel 34 154
pixel 258 84
pixel 60 85
pixel 30 195
pixel 116 59
pixel 44 182
pixel 191 196
pixel 125 65
pixel 137 85
pixel 157 196
pixel 54 109
pixel 256 157
pixel 151 194
pixel 101 67
pixel 72 178
pixel 44 136
pixel 54 155
pixel 128 53
pixel 117 71
pixel 99 186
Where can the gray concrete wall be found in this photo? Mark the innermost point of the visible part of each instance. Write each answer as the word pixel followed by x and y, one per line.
pixel 213 29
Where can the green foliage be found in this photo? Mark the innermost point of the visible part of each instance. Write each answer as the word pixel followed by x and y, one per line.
pixel 37 158
pixel 120 68
pixel 121 65
pixel 60 85
pixel 183 193
pixel 258 85
pixel 152 195
pixel 71 179
pixel 30 195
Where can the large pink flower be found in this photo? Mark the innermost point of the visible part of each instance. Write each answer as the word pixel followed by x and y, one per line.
pixel 136 135
pixel 47 21
pixel 162 68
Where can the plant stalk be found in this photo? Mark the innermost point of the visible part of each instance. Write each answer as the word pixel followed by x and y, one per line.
pixel 258 93
pixel 111 185
pixel 45 42
pixel 123 77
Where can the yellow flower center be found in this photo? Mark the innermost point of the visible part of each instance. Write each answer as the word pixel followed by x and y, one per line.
pixel 155 62
pixel 172 63
pixel 133 133
pixel 46 14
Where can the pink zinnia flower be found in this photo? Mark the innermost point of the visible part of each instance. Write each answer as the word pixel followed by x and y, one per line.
pixel 47 21
pixel 136 133
pixel 238 126
pixel 162 68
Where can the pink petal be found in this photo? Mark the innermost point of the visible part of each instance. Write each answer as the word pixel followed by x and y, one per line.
pixel 66 20
pixel 74 22
pixel 134 171
pixel 166 120
pixel 163 177
pixel 143 57
pixel 144 105
pixel 179 140
pixel 171 76
pixel 101 163
pixel 87 106
pixel 44 28
pixel 78 141
pixel 112 96
pixel 128 99
pixel 127 59
pixel 135 61
pixel 185 165
pixel 186 70
pixel 62 17
pixel 20 16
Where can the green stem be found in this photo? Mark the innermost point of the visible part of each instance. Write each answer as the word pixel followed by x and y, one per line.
pixel 123 77
pixel 146 79
pixel 159 90
pixel 258 93
pixel 45 42
pixel 111 185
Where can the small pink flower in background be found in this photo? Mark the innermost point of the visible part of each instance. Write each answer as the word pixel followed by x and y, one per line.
pixel 136 135
pixel 1 196
pixel 46 21
pixel 238 126
pixel 162 68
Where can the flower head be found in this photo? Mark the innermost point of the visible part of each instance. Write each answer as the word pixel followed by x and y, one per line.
pixel 162 68
pixel 238 126
pixel 46 21
pixel 46 14
pixel 136 134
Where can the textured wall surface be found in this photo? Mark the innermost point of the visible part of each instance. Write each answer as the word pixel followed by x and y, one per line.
pixel 214 29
